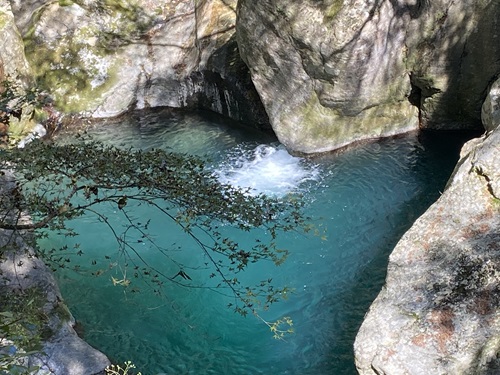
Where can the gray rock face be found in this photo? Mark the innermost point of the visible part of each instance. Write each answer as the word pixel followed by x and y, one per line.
pixel 105 58
pixel 439 310
pixel 13 62
pixel 333 72
pixel 64 352
pixel 453 56
pixel 491 108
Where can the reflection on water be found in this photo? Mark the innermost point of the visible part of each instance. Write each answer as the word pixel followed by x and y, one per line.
pixel 364 199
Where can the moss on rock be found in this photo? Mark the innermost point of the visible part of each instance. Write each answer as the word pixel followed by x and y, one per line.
pixel 72 50
pixel 312 127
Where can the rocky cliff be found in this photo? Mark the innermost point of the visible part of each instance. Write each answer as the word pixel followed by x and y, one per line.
pixel 327 73
pixel 103 58
pixel 333 72
pixel 439 310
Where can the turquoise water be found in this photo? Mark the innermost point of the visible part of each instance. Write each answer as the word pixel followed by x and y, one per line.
pixel 363 198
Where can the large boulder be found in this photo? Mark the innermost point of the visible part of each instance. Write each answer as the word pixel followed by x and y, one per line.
pixel 439 311
pixel 107 57
pixel 333 72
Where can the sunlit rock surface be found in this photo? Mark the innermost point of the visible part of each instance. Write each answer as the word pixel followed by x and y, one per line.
pixel 104 58
pixel 439 312
pixel 13 62
pixel 333 72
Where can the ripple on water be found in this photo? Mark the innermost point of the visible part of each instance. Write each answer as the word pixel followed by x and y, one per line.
pixel 362 199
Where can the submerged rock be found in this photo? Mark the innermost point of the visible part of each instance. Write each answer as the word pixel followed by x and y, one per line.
pixel 438 312
pixel 333 72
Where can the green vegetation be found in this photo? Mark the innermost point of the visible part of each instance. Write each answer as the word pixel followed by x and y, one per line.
pixel 18 106
pixel 23 325
pixel 332 9
pixel 59 183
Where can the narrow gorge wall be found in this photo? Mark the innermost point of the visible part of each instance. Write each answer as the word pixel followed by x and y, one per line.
pixel 333 72
pixel 103 58
pixel 438 312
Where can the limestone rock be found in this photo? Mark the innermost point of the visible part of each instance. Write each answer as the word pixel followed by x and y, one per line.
pixel 438 312
pixel 333 72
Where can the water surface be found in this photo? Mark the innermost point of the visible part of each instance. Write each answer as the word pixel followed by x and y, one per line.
pixel 363 199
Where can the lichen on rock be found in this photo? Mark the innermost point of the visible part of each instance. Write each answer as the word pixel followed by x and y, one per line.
pixel 72 52
pixel 104 58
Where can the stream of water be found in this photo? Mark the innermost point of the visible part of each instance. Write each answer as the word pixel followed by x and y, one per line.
pixel 364 199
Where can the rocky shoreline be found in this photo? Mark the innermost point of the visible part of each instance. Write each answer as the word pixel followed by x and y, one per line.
pixel 63 352
pixel 439 311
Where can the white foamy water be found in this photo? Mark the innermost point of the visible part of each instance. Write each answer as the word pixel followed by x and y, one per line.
pixel 265 169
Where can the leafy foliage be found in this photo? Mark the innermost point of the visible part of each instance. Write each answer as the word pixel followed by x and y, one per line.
pixel 14 99
pixel 118 370
pixel 22 324
pixel 57 183
pixel 17 106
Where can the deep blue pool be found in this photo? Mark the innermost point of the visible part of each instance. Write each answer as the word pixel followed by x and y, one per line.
pixel 363 199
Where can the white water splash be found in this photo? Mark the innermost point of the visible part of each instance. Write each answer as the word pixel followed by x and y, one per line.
pixel 266 169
